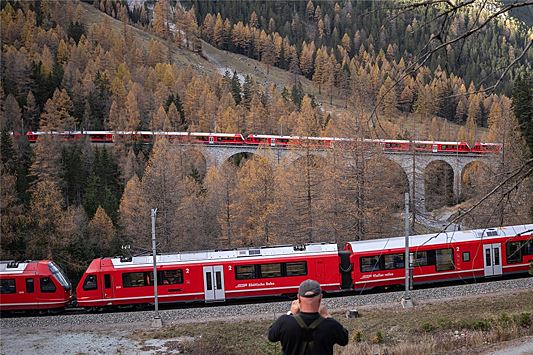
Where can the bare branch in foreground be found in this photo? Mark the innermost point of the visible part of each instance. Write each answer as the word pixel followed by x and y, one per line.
pixel 520 180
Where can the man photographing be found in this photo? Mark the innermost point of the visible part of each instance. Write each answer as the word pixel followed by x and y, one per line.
pixel 308 329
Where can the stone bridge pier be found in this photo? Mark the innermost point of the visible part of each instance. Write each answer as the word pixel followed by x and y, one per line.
pixel 415 168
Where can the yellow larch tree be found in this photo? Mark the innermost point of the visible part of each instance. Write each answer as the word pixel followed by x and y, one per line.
pixel 134 215
pixel 255 201
pixel 101 233
pixel 56 115
pixel 46 216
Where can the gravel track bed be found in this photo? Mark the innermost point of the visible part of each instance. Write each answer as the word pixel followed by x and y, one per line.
pixel 264 310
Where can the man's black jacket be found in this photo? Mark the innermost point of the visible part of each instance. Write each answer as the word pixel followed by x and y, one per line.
pixel 291 335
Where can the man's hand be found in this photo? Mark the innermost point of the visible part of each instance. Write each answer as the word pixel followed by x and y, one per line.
pixel 295 307
pixel 324 311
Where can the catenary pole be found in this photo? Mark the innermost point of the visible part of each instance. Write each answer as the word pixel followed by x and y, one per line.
pixel 157 319
pixel 406 299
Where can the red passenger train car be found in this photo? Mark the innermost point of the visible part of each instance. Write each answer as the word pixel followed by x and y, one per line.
pixel 216 138
pixel 33 285
pixel 212 276
pixel 209 276
pixel 486 148
pixel 286 141
pixel 444 257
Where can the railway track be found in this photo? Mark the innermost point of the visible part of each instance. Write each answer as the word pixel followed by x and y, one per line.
pixel 266 309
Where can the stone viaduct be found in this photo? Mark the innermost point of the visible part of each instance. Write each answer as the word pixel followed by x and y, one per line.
pixel 216 155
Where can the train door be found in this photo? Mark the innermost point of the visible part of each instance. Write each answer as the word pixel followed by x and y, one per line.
pixel 214 283
pixel 435 148
pixel 273 142
pixel 29 287
pixel 492 259
pixel 108 291
pixel 211 140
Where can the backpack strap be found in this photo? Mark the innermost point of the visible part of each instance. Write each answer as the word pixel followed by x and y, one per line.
pixel 316 322
pixel 300 321
pixel 311 326
pixel 308 329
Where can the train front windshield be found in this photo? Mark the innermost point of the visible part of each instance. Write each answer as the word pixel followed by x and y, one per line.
pixel 59 275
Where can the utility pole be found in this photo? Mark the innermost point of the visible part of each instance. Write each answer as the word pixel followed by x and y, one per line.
pixel 406 299
pixel 413 147
pixel 157 322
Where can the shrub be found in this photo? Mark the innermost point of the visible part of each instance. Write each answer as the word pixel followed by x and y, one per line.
pixel 504 319
pixel 445 323
pixel 378 338
pixel 428 327
pixel 522 319
pixel 357 337
pixel 481 325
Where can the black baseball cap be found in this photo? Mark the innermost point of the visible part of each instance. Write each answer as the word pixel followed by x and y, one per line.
pixel 309 288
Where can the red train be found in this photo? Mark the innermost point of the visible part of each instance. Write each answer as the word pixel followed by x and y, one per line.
pixel 213 276
pixel 269 271
pixel 446 257
pixel 389 145
pixel 208 276
pixel 36 285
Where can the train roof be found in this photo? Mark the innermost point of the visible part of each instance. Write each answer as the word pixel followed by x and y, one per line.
pixel 215 134
pixel 442 238
pixel 226 255
pixel 271 136
pixel 482 143
pixel 8 267
pixel 439 142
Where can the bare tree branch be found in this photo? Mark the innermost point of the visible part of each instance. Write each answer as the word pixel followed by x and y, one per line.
pixel 491 192
pixel 424 57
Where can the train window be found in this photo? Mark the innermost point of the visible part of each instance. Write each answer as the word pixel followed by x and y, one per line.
pixel 59 275
pixel 90 283
pixel 30 287
pixel 245 272
pixel 528 249
pixel 514 252
pixel 209 281
pixel 170 277
pixel 466 256
pixel 393 261
pixel 7 286
pixel 444 259
pixel 298 268
pixel 270 270
pixel 370 263
pixel 420 258
pixel 47 285
pixel 218 277
pixel 107 281
pixel 134 279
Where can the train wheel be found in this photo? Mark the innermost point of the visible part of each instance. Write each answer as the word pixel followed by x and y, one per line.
pixel 91 309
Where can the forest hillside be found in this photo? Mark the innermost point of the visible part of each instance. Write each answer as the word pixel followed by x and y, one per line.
pixel 308 69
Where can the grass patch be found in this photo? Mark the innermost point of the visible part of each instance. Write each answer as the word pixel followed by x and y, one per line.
pixel 456 325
